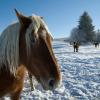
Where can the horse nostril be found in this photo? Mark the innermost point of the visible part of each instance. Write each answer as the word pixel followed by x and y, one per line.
pixel 51 83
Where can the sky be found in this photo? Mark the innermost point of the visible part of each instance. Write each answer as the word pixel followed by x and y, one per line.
pixel 61 16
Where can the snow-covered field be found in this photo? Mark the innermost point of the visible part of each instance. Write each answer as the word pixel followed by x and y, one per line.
pixel 80 75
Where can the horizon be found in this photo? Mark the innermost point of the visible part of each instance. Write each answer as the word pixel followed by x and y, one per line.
pixel 60 16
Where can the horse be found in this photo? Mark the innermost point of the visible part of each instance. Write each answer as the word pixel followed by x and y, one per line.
pixel 76 46
pixel 26 45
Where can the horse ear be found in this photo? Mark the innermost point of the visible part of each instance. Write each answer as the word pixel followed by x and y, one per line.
pixel 22 19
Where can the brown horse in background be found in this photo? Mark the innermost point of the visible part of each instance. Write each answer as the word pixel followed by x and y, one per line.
pixel 76 46
pixel 26 45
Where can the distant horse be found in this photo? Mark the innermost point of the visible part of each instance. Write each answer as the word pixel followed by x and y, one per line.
pixel 26 45
pixel 96 44
pixel 76 46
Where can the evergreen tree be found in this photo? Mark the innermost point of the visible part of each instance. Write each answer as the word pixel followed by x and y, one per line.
pixel 85 25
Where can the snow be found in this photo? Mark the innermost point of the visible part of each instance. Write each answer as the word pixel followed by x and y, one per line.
pixel 80 75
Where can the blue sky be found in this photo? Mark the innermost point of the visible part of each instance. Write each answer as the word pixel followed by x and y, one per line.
pixel 60 15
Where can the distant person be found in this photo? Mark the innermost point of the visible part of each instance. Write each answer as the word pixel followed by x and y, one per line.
pixel 76 46
pixel 96 44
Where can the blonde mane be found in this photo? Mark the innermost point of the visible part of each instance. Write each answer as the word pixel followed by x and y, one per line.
pixel 9 48
pixel 9 43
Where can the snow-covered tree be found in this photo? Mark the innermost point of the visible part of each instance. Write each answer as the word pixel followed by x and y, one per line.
pixel 74 35
pixel 98 36
pixel 77 35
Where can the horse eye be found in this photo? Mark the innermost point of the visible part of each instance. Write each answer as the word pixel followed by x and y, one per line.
pixel 32 38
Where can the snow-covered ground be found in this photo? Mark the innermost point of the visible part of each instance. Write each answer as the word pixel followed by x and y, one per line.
pixel 80 75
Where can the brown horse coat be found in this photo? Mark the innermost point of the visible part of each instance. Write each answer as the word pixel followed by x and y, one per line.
pixel 26 45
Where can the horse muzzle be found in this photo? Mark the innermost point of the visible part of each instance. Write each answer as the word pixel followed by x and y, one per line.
pixel 51 84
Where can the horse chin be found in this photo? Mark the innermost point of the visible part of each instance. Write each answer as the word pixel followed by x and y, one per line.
pixel 45 85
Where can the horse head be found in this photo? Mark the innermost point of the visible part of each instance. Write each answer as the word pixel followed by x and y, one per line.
pixel 36 52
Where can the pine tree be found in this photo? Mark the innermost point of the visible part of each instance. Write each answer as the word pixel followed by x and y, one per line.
pixel 85 25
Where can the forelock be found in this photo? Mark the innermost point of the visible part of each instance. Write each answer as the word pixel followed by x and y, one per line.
pixel 39 22
pixel 36 24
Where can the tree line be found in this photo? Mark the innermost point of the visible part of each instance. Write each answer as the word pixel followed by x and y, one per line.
pixel 85 31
